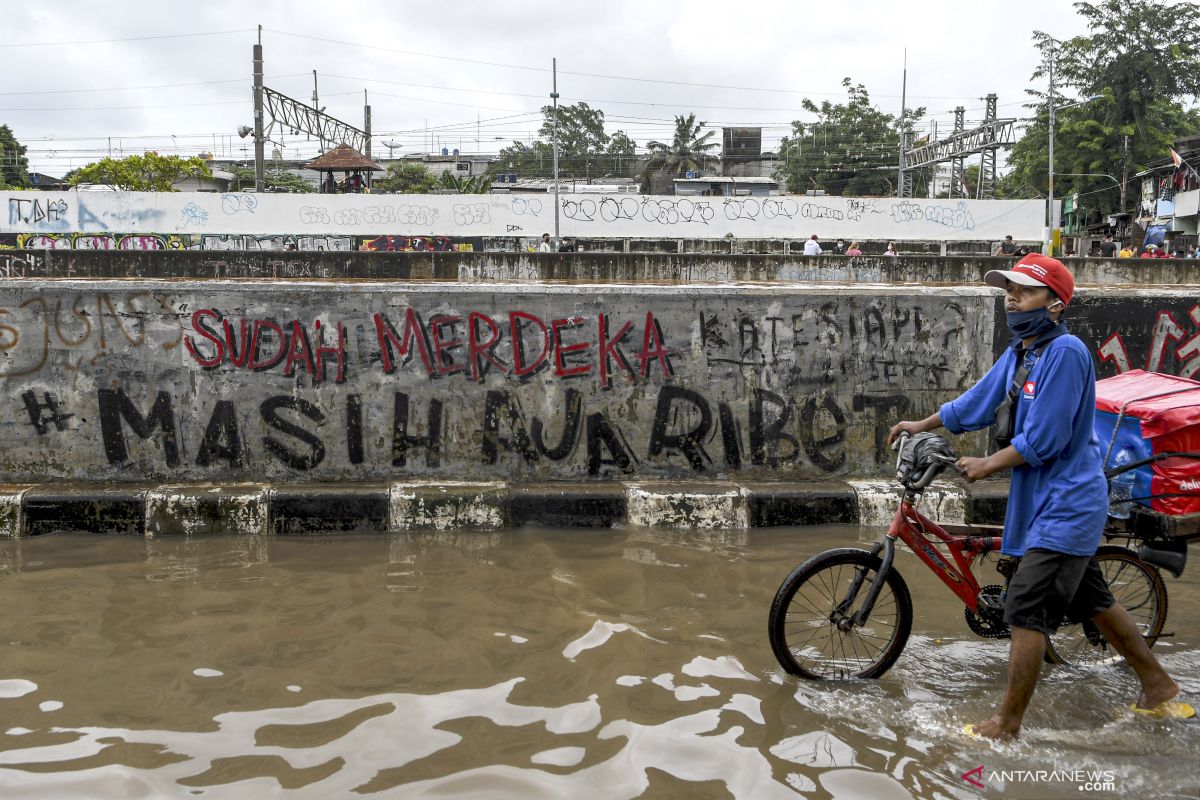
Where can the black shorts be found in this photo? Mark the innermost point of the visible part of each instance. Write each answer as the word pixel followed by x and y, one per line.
pixel 1049 587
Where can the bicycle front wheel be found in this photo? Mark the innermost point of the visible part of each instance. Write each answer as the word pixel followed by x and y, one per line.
pixel 1138 587
pixel 811 628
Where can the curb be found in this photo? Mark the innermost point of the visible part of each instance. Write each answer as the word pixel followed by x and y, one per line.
pixel 319 509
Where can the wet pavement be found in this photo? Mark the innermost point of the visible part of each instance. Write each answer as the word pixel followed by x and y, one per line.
pixel 527 664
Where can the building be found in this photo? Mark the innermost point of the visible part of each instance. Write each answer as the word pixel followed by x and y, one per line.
pixel 1163 207
pixel 726 186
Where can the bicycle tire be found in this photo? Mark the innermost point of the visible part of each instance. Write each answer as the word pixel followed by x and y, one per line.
pixel 1136 585
pixel 815 611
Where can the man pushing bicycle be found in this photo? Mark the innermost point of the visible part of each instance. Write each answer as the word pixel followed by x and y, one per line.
pixel 1041 396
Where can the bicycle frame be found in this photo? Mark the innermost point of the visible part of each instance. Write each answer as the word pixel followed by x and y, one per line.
pixel 913 528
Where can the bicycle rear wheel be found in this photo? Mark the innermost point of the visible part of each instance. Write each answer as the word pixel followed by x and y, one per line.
pixel 810 624
pixel 1138 587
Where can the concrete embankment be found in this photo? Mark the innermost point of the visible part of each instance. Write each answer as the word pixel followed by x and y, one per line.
pixel 154 405
pixel 634 267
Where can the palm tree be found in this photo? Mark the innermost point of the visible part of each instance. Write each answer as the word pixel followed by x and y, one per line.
pixel 687 151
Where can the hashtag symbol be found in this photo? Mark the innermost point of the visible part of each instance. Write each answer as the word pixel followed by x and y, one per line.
pixel 42 414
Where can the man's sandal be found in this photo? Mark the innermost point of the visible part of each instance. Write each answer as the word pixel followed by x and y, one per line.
pixel 1170 709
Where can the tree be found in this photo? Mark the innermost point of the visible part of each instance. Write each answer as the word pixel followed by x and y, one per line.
pixel 405 177
pixel 687 151
pixel 851 149
pixel 149 172
pixel 467 184
pixel 621 153
pixel 14 166
pixel 535 159
pixel 581 137
pixel 276 180
pixel 584 149
pixel 1138 60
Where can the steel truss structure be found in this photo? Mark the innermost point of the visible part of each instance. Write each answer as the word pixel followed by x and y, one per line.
pixel 984 141
pixel 306 119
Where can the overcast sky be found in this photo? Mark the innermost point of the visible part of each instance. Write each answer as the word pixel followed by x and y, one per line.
pixel 433 68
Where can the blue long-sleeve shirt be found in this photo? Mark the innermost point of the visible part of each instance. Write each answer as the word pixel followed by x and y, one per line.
pixel 1058 500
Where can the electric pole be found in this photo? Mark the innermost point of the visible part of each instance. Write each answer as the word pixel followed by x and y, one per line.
pixel 1049 243
pixel 259 176
pixel 903 127
pixel 554 97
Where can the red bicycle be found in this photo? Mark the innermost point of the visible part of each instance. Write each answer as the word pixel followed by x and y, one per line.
pixel 847 612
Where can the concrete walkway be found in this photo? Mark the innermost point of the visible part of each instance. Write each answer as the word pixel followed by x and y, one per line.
pixel 195 509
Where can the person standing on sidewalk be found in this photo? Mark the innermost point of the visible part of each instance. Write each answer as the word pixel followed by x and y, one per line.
pixel 812 247
pixel 1058 499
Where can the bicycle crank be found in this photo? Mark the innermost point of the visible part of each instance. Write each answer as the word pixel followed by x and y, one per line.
pixel 989 623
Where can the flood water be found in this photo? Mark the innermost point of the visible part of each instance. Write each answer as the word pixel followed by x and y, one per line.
pixel 527 664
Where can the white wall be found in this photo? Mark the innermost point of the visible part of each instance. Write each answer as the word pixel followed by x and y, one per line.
pixel 637 216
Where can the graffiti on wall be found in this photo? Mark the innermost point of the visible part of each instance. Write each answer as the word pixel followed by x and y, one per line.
pixel 67 332
pixel 625 216
pixel 481 385
pixel 418 244
pixel 1170 343
pixel 101 241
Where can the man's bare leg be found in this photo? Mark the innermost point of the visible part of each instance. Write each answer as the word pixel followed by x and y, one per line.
pixel 1122 633
pixel 1024 667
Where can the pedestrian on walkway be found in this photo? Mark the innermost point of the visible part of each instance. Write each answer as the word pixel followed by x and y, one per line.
pixel 545 246
pixel 812 247
pixel 891 250
pixel 1108 248
pixel 854 249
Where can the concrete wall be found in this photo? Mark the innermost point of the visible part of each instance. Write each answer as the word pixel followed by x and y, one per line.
pixel 583 267
pixel 175 380
pixel 162 380
pixel 626 216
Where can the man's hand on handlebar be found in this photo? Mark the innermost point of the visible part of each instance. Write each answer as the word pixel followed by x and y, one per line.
pixel 974 469
pixel 910 427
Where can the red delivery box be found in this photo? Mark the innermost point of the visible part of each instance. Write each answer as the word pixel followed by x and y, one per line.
pixel 1141 414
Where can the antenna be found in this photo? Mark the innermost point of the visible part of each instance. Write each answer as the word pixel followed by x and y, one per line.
pixel 391 145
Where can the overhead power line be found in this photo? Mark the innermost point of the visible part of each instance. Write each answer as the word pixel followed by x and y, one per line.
pixel 367 46
pixel 129 38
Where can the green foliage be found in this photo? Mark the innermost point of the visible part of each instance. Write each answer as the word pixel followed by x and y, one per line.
pixel 149 172
pixel 467 184
pixel 621 154
pixel 851 149
pixel 276 180
pixel 688 150
pixel 535 159
pixel 14 166
pixel 1140 59
pixel 584 149
pixel 405 177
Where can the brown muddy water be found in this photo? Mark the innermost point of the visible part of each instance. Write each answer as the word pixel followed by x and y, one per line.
pixel 528 664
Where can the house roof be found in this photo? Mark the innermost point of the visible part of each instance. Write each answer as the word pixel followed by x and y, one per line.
pixel 343 157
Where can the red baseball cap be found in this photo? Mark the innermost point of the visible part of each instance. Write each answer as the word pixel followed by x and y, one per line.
pixel 1036 269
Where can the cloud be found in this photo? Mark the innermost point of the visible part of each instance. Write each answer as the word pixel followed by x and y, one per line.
pixel 804 49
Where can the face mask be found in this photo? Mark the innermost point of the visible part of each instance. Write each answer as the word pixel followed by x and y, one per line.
pixel 1024 324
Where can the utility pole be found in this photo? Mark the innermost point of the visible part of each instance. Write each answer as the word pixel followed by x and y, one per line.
pixel 367 124
pixel 1124 171
pixel 317 108
pixel 554 98
pixel 260 183
pixel 1048 245
pixel 903 125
